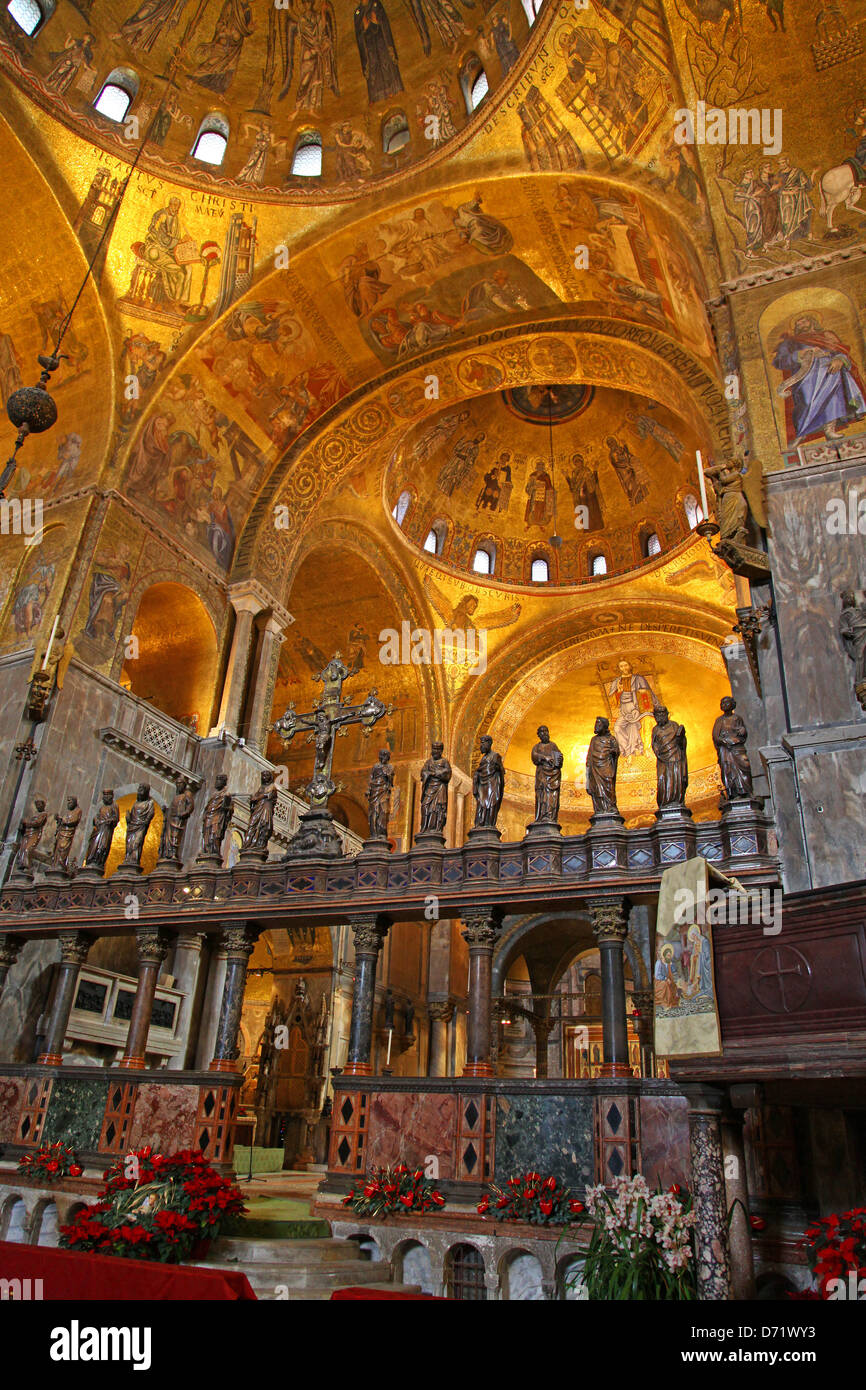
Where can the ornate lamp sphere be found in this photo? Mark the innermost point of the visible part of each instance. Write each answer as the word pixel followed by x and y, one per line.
pixel 32 407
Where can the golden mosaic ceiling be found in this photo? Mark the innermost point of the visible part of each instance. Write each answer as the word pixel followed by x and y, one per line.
pixel 367 76
pixel 483 476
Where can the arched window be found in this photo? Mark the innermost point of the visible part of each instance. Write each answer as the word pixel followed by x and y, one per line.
pixel 473 81
pixel 484 560
pixel 692 509
pixel 532 8
pixel 212 139
pixel 597 564
pixel 464 1274
pixel 117 94
pixel 401 507
pixel 652 545
pixel 436 538
pixel 307 160
pixel 540 572
pixel 430 544
pixel 395 133
pixel 30 15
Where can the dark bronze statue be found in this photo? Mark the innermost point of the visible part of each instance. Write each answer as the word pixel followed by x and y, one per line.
pixel 601 763
pixel 262 805
pixel 176 816
pixel 379 795
pixel 852 630
pixel 548 777
pixel 138 819
pixel 435 776
pixel 67 823
pixel 30 833
pixel 729 737
pixel 102 832
pixel 672 769
pixel 217 818
pixel 488 784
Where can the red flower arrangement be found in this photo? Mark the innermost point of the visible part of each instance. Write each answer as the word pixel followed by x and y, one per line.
pixel 395 1192
pixel 156 1208
pixel 836 1250
pixel 51 1162
pixel 541 1201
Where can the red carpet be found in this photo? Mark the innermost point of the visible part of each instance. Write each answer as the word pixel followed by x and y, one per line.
pixel 69 1275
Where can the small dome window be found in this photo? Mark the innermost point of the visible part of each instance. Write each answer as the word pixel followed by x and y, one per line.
pixel 307 161
pixel 531 9
pixel 597 564
pixel 401 507
pixel 540 572
pixel 484 560
pixel 692 509
pixel 117 94
pixel 473 81
pixel 652 545
pixel 478 91
pixel 212 140
pixel 395 133
pixel 430 544
pixel 30 15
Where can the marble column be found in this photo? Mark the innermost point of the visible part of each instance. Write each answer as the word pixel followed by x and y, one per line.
pixel 369 933
pixel 542 1028
pixel 238 943
pixel 481 930
pixel 153 944
pixel 248 601
pixel 189 978
pixel 737 1200
pixel 273 636
pixel 441 1012
pixel 9 949
pixel 210 1009
pixel 460 820
pixel 74 946
pixel 712 1253
pixel 610 929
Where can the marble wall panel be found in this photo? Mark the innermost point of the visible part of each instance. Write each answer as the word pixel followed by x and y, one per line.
pixel 545 1133
pixel 11 1091
pixel 75 1111
pixel 833 795
pixel 405 1128
pixel 164 1118
pixel 25 995
pixel 664 1135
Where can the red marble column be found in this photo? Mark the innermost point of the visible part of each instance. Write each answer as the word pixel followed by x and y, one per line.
pixel 74 946
pixel 480 932
pixel 153 944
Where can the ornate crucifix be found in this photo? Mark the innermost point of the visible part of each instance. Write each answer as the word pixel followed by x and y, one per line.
pixel 329 718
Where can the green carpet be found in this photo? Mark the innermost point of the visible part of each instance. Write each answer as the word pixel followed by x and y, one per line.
pixel 282 1218
pixel 264 1160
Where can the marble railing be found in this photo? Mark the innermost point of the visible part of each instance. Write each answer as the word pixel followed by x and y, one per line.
pixel 541 871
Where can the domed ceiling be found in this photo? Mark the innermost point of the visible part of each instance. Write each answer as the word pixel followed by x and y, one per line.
pixel 357 74
pixel 482 476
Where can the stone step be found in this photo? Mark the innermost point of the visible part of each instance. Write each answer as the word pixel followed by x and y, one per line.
pixel 313 1277
pixel 323 1295
pixel 253 1250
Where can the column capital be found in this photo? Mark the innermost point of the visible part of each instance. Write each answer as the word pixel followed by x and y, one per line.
pixel 609 919
pixel 238 942
pixel 481 928
pixel 442 1010
pixel 703 1099
pixel 10 947
pixel 369 933
pixel 153 944
pixel 74 946
pixel 249 596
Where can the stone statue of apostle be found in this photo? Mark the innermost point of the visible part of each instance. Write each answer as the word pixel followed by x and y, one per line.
pixel 67 825
pixel 262 804
pixel 217 817
pixel 30 832
pixel 548 777
pixel 672 769
pixel 729 738
pixel 174 825
pixel 435 776
pixel 102 831
pixel 138 819
pixel 602 757
pixel 379 795
pixel 488 784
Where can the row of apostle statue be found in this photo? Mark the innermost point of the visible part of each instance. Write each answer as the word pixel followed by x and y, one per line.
pixel 488 787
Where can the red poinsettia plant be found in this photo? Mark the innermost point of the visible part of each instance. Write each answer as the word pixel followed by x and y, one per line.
pixel 530 1197
pixel 51 1162
pixel 156 1207
pixel 395 1191
pixel 836 1250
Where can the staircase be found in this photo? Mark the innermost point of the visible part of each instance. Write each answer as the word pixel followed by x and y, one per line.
pixel 301 1269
